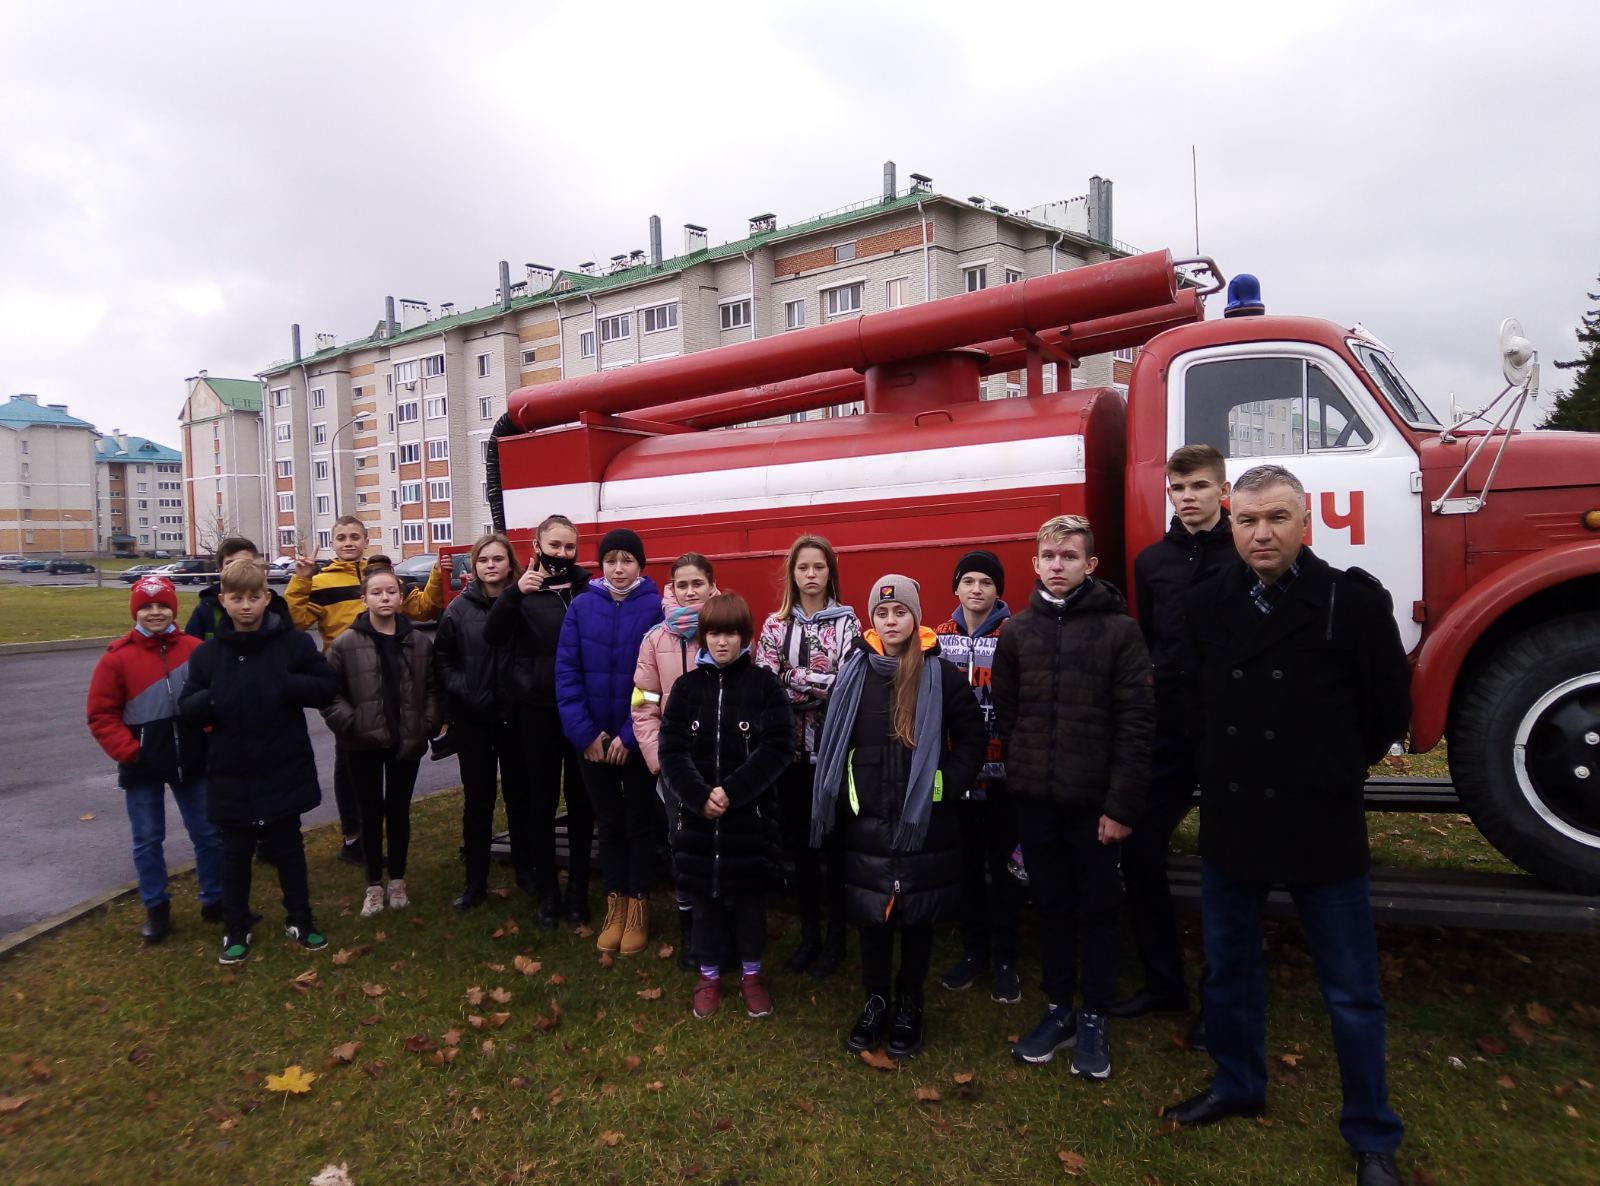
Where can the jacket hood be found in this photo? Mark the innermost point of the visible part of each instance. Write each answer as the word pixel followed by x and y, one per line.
pixel 988 626
pixel 831 612
pixel 402 626
pixel 1223 529
pixel 871 641
pixel 1092 597
pixel 704 659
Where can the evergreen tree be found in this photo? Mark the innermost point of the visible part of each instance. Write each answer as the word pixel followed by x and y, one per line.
pixel 1579 407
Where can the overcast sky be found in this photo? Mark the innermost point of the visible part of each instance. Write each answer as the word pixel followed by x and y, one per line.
pixel 179 183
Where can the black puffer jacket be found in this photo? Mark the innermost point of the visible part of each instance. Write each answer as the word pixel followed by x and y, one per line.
pixel 729 727
pixel 208 612
pixel 530 624
pixel 477 678
pixel 1163 574
pixel 358 713
pixel 252 688
pixel 1074 703
pixel 881 884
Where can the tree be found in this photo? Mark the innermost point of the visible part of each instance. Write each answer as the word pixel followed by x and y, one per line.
pixel 1579 408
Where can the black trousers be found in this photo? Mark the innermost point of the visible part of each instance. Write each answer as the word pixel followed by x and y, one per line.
pixel 747 915
pixel 877 959
pixel 628 814
pixel 344 791
pixel 552 771
pixel 280 842
pixel 1144 866
pixel 384 783
pixel 818 873
pixel 485 747
pixel 991 899
pixel 1077 896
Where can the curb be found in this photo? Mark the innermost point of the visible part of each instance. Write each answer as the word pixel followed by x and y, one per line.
pixel 59 644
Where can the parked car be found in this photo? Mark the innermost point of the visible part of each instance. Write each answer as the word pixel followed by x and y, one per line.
pixel 32 566
pixel 131 575
pixel 63 564
pixel 194 571
pixel 159 555
pixel 279 574
pixel 413 571
pixel 12 561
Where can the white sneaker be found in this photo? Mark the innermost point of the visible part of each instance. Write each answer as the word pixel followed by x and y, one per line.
pixel 373 902
pixel 397 894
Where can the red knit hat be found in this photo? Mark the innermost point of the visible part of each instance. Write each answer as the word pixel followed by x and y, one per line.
pixel 153 588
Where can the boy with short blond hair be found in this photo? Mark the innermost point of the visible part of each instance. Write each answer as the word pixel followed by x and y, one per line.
pixel 1075 711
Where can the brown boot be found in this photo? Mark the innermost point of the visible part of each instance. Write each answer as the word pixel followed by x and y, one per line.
pixel 636 934
pixel 616 918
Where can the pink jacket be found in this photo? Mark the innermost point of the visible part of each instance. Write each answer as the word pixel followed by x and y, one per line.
pixel 663 657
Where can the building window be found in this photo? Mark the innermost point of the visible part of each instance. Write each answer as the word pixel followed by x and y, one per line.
pixel 794 314
pixel 322 504
pixel 324 538
pixel 586 344
pixel 614 329
pixel 485 407
pixel 894 292
pixel 394 500
pixel 844 299
pixel 1013 275
pixel 280 397
pixel 390 378
pixel 529 357
pixel 441 532
pixel 280 432
pixel 437 406
pixel 286 501
pixel 413 532
pixel 406 372
pixel 391 461
pixel 394 534
pixel 285 469
pixel 407 411
pixel 974 279
pixel 1126 355
pixel 439 450
pixel 432 366
pixel 319 398
pixel 321 471
pixel 844 252
pixel 660 317
pixel 439 490
pixel 319 434
pixel 736 314
pixel 410 491
pixel 144 503
pixel 285 538
pixel 410 451
pixel 484 366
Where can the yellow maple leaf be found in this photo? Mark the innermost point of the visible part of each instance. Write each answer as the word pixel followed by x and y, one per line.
pixel 293 1080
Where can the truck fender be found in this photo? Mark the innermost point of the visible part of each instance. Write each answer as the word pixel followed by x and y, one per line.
pixel 1443 652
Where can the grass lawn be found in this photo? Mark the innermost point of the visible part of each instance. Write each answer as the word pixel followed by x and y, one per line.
pixel 34 614
pixel 135 1065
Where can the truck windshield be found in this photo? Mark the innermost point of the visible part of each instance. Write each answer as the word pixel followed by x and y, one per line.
pixel 1393 384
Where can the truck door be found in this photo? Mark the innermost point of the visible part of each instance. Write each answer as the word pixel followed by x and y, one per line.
pixel 1298 405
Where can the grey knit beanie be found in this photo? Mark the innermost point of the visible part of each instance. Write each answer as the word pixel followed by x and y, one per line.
pixel 896 587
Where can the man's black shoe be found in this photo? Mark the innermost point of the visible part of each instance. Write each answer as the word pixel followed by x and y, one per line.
pixel 157 923
pixel 550 911
pixel 470 896
pixel 1207 1108
pixel 868 1030
pixel 1376 1169
pixel 906 1033
pixel 1195 1039
pixel 350 853
pixel 212 913
pixel 1147 1001
pixel 578 903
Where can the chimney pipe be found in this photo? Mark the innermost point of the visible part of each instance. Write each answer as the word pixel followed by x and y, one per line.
pixel 655 240
pixel 889 186
pixel 392 326
pixel 294 341
pixel 505 284
pixel 1106 231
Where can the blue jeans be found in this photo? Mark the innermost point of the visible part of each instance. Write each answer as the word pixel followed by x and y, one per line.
pixel 1337 918
pixel 147 812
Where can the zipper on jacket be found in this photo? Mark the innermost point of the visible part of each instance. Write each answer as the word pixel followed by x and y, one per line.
pixel 716 770
pixel 1055 706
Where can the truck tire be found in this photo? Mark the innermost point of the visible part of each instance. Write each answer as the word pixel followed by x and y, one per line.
pixel 1525 751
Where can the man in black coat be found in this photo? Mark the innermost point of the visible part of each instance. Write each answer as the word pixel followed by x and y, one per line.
pixel 1199 541
pixel 1301 683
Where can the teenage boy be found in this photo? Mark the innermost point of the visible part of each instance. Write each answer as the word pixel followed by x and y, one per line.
pixel 1199 541
pixel 991 897
pixel 251 685
pixel 133 714
pixel 1076 711
pixel 329 602
pixel 208 615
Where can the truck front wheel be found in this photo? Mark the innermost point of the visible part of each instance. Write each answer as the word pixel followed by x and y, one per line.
pixel 1525 751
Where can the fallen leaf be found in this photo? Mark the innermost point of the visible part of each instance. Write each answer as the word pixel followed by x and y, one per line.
pixel 1561 1089
pixel 476 1022
pixel 474 995
pixel 488 1047
pixel 86 816
pixel 521 1082
pixel 1290 1060
pixel 659 1051
pixel 451 1037
pixel 1506 1081
pixel 1539 1015
pixel 138 1056
pixel 632 1063
pixel 608 1138
pixel 653 1086
pixel 605 959
pixel 496 1020
pixel 1264 1121
pixel 1520 1032
pixel 878 1059
pixel 151 1096
pixel 599 1015
pixel 419 1043
pixel 372 990
pixel 375 1067
pixel 476 1113
pixel 723 1124
pixel 293 1081
pixel 1490 1045
pixel 555 1096
pixel 40 1071
pixel 216 1113
pixel 1015 1038
pixel 649 994
pixel 806 1106
pixel 345 1051
pixel 665 952
pixel 372 1019
pixel 252 1078
pixel 1072 1163
pixel 307 980
pixel 500 891
pixel 961 1077
pixel 585 931
pixel 500 996
pixel 379 936
pixel 444 1057
pixel 13 1103
pixel 556 978
pixel 1573 1112
pixel 526 966
pixel 928 1095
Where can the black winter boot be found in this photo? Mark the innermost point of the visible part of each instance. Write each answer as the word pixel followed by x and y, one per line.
pixel 810 946
pixel 157 923
pixel 831 958
pixel 907 1030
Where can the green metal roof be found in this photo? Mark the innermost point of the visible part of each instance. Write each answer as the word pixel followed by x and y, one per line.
pixel 243 395
pixel 141 449
pixel 18 413
pixel 581 283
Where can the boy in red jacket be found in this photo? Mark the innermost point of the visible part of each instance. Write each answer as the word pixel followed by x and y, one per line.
pixel 133 714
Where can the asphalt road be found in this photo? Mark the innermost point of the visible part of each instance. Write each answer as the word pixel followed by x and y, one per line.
pixel 52 774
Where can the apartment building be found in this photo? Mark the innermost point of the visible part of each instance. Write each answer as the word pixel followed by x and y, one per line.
pixel 394 427
pixel 47 480
pixel 139 495
pixel 225 486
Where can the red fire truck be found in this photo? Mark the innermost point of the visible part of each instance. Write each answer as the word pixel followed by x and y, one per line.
pixel 1488 537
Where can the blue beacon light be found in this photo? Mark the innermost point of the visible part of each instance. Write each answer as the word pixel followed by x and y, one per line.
pixel 1244 297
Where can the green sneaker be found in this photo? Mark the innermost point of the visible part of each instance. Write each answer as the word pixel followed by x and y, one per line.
pixel 234 950
pixel 308 937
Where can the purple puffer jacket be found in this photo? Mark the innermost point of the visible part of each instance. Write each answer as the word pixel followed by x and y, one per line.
pixel 595 659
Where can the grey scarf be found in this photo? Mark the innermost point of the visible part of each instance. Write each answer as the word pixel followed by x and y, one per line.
pixel 833 748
